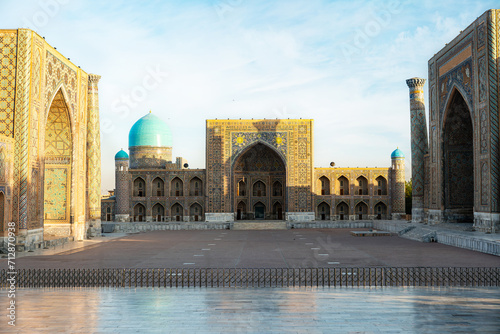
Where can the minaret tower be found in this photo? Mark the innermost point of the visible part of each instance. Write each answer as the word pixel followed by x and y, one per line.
pixel 398 184
pixel 122 192
pixel 419 146
pixel 93 158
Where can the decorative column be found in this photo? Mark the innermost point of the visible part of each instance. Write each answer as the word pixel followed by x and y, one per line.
pixel 419 146
pixel 93 158
pixel 21 136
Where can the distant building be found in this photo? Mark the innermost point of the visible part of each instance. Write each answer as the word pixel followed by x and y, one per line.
pixel 255 170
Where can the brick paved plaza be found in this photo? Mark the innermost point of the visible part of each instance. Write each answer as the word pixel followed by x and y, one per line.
pixel 294 248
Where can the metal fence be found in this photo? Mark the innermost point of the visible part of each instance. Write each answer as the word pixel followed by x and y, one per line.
pixel 252 277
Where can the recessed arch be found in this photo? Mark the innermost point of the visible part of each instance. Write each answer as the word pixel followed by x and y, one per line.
pixel 158 187
pixel 380 187
pixel 361 185
pixel 139 212
pixel 259 189
pixel 196 212
pixel 361 210
pixel 380 210
pixel 195 187
pixel 342 210
pixel 241 211
pixel 259 210
pixel 323 211
pixel 139 187
pixel 158 212
pixel 176 187
pixel 324 185
pixel 177 212
pixel 342 185
pixel 58 158
pixel 458 160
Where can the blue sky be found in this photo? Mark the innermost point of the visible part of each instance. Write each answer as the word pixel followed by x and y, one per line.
pixel 342 63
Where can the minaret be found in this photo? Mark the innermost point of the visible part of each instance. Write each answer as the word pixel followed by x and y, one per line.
pixel 419 146
pixel 93 158
pixel 122 193
pixel 398 184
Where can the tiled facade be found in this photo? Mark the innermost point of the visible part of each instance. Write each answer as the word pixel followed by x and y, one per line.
pixel 461 172
pixel 49 141
pixel 256 169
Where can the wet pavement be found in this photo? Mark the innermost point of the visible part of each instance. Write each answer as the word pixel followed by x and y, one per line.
pixel 259 310
pixel 296 248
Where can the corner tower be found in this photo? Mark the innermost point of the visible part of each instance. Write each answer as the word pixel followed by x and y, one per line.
pixel 398 184
pixel 122 192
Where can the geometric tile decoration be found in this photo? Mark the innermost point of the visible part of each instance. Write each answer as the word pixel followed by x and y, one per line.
pixel 8 45
pixel 56 194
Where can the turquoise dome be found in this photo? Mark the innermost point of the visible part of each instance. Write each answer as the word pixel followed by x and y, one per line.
pixel 121 155
pixel 397 154
pixel 150 130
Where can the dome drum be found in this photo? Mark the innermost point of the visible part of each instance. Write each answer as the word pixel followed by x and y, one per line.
pixel 144 157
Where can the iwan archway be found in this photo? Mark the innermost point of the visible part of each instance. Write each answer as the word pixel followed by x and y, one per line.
pixel 458 161
pixel 259 169
pixel 58 149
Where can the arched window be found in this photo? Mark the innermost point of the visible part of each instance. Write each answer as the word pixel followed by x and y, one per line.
pixel 259 189
pixel 195 211
pixel 381 186
pixel 158 212
pixel 177 212
pixel 195 188
pixel 343 185
pixel 158 187
pixel 139 187
pixel 139 212
pixel 176 188
pixel 325 185
pixel 277 189
pixel 362 186
pixel 342 211
pixel 242 186
pixel 361 209
pixel 324 211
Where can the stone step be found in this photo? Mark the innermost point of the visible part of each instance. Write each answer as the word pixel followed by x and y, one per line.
pixel 263 225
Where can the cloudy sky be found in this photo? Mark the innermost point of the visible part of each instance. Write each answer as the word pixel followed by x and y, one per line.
pixel 341 63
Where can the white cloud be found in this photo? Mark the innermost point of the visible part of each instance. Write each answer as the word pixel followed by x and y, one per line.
pixel 256 59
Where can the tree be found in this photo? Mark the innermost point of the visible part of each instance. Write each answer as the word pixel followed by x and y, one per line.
pixel 408 191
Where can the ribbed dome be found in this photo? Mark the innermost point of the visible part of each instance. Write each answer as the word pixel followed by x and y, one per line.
pixel 397 154
pixel 150 130
pixel 121 155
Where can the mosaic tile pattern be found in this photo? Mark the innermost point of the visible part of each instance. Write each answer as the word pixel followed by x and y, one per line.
pixel 8 47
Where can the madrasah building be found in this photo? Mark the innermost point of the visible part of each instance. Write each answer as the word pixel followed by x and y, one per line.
pixel 255 170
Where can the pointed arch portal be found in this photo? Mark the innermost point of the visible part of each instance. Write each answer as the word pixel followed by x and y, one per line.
pixel 262 170
pixel 458 160
pixel 58 152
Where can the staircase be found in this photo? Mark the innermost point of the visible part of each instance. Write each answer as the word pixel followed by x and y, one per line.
pixel 259 225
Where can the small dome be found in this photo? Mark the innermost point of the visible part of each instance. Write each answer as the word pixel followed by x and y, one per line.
pixel 397 154
pixel 150 130
pixel 121 155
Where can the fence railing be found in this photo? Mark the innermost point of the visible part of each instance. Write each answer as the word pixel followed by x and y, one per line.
pixel 253 277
